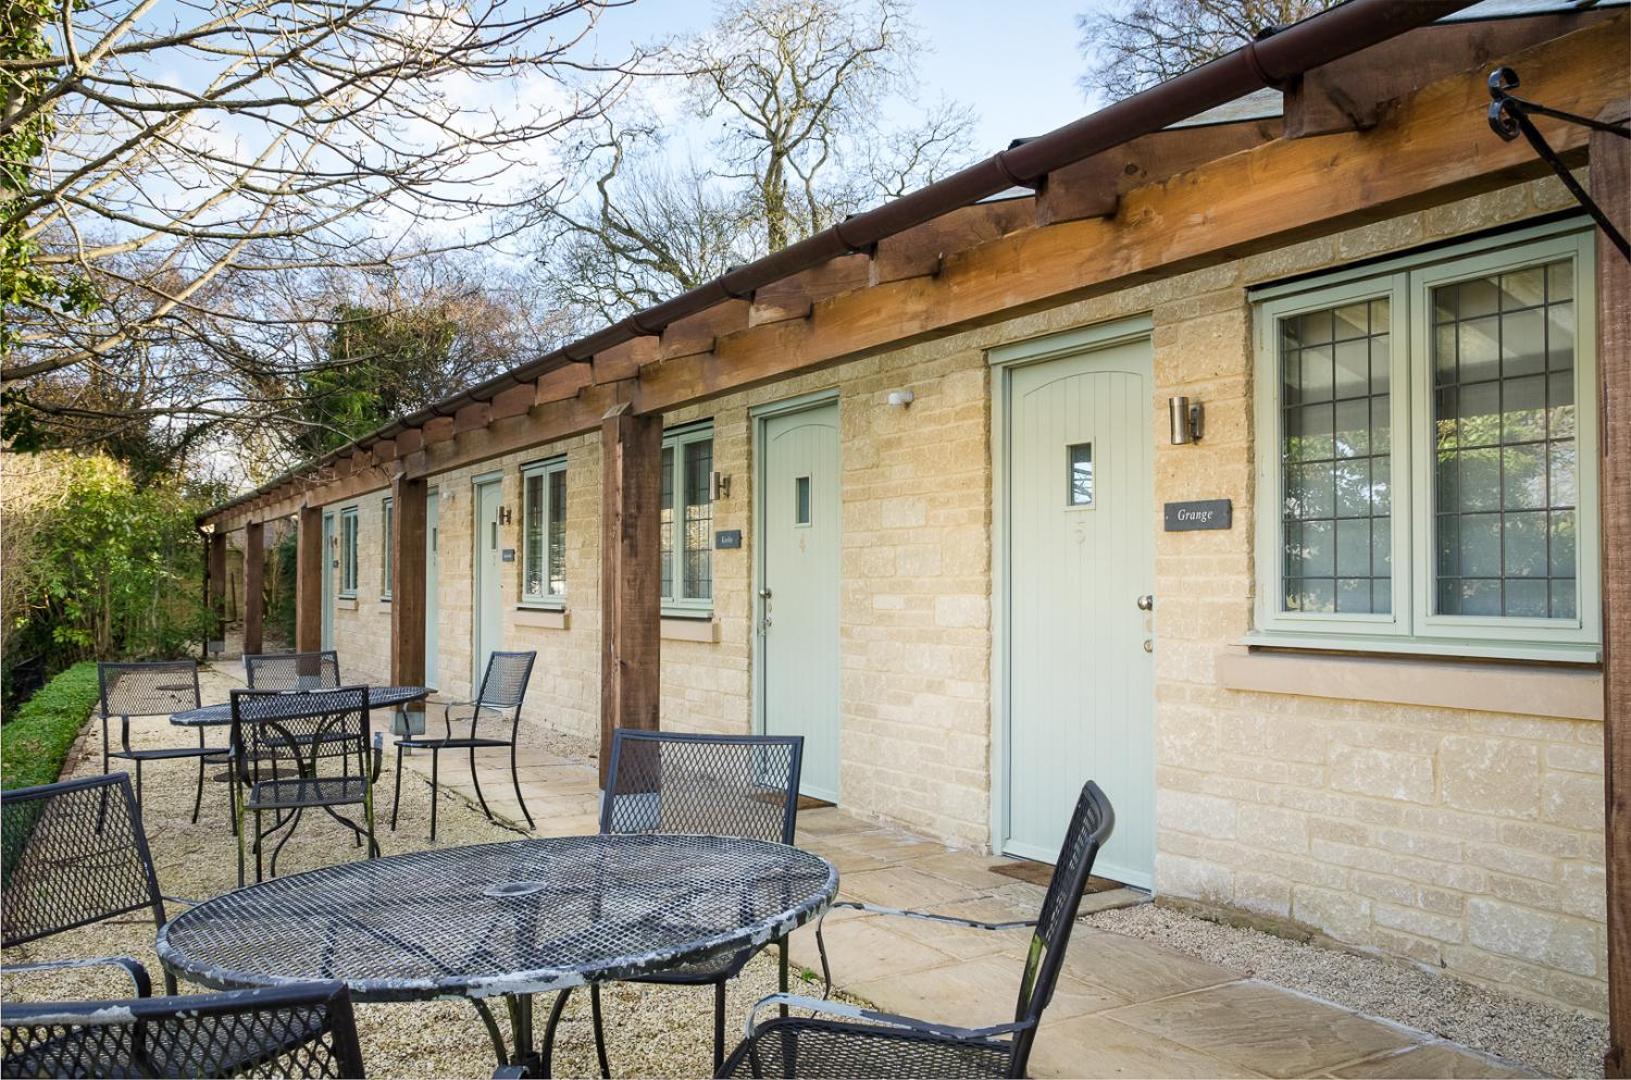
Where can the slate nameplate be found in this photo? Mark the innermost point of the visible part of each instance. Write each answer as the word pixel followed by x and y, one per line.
pixel 508 554
pixel 728 538
pixel 1200 514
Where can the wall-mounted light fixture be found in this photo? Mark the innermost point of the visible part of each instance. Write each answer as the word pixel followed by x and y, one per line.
pixel 899 399
pixel 504 515
pixel 719 485
pixel 1187 420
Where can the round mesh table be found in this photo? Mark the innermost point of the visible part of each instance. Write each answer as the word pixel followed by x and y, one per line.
pixel 506 920
pixel 379 697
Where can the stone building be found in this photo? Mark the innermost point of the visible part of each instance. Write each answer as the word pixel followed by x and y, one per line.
pixel 1246 457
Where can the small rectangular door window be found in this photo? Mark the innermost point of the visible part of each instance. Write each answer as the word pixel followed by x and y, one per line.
pixel 801 500
pixel 1080 474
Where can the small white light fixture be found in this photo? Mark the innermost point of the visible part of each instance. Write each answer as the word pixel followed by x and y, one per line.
pixel 1188 421
pixel 899 399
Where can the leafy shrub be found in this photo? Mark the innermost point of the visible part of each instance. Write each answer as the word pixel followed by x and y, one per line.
pixel 97 567
pixel 35 741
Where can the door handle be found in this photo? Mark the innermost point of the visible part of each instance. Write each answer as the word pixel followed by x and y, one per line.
pixel 764 594
pixel 1146 602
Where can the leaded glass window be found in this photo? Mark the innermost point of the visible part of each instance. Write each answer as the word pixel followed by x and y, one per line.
pixel 1504 482
pixel 686 529
pixel 1335 446
pixel 1426 449
pixel 543 532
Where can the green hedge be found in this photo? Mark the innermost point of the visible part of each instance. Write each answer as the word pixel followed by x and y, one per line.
pixel 35 742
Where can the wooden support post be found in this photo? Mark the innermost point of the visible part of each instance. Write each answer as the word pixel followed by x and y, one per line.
pixel 254 577
pixel 631 448
pixel 218 584
pixel 1611 187
pixel 308 580
pixel 408 580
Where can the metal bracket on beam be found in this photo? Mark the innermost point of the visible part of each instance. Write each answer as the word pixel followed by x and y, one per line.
pixel 1509 117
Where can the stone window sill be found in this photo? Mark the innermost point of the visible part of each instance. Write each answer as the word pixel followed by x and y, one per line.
pixel 543 618
pixel 704 630
pixel 1522 689
pixel 345 603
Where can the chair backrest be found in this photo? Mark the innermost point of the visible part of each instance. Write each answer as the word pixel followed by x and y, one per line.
pixel 305 1029
pixel 74 853
pixel 505 682
pixel 720 785
pixel 1090 827
pixel 151 688
pixel 276 732
pixel 293 671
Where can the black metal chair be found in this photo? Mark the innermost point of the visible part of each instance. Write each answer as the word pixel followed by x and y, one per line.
pixel 861 1042
pixel 305 1029
pixel 503 687
pixel 293 671
pixel 280 739
pixel 75 853
pixel 717 785
pixel 153 688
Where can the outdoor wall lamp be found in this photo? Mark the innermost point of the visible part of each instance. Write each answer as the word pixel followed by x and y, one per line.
pixel 504 515
pixel 1188 421
pixel 899 399
pixel 719 485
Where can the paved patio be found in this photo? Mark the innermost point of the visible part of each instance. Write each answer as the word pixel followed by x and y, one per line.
pixel 1123 1007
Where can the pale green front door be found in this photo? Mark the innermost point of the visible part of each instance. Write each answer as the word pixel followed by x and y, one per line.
pixel 1081 545
pixel 331 562
pixel 433 514
pixel 798 598
pixel 489 591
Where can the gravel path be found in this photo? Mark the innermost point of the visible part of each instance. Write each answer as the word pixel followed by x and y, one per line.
pixel 651 1031
pixel 1546 1038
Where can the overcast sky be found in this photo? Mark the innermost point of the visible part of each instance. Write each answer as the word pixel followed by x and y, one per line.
pixel 1013 63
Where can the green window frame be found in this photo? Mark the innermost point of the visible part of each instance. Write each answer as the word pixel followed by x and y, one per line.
pixel 387 511
pixel 543 534
pixel 348 552
pixel 1449 505
pixel 686 533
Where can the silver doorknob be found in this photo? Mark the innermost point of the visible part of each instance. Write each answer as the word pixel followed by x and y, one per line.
pixel 764 594
pixel 1146 602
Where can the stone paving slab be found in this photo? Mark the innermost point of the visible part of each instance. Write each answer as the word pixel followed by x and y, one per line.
pixel 1124 1007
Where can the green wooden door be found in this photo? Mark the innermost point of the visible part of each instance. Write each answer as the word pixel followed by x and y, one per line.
pixel 798 601
pixel 1081 507
pixel 488 592
pixel 331 563
pixel 433 513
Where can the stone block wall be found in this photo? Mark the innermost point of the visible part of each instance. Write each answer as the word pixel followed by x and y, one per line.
pixel 1465 840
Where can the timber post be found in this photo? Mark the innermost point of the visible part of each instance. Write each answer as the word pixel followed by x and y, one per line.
pixel 407 540
pixel 631 447
pixel 1610 159
pixel 218 586
pixel 254 583
pixel 308 588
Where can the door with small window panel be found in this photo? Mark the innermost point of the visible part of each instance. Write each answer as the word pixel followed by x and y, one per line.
pixel 487 557
pixel 798 525
pixel 1080 490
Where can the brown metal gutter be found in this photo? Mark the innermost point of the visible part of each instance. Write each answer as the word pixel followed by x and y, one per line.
pixel 1272 61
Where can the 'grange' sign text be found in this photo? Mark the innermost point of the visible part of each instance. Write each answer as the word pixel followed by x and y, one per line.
pixel 1202 514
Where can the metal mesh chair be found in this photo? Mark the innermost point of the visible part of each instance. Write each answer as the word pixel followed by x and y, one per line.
pixel 306 1029
pixel 280 740
pixel 75 853
pixel 155 688
pixel 717 785
pixel 503 687
pixel 861 1042
pixel 293 671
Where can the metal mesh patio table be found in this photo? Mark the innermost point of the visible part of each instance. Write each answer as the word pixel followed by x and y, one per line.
pixel 503 920
pixel 379 697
